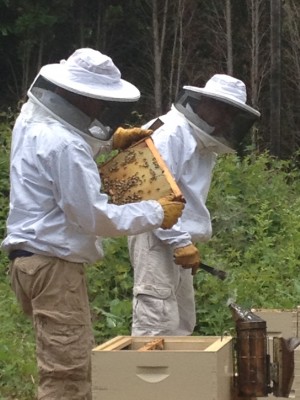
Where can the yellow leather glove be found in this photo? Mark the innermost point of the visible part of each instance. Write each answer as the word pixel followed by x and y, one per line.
pixel 124 138
pixel 172 211
pixel 187 257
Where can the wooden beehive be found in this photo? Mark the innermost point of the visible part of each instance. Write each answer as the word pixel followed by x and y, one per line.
pixel 174 367
pixel 138 173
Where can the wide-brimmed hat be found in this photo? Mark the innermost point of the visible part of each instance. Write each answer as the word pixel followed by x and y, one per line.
pixel 90 73
pixel 227 89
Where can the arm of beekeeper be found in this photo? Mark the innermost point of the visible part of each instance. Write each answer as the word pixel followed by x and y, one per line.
pixel 170 140
pixel 192 169
pixel 77 191
pixel 78 195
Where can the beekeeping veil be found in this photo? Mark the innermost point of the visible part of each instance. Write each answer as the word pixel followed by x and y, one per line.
pixel 89 73
pixel 218 111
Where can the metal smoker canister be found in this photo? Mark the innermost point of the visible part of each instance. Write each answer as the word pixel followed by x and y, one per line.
pixel 251 350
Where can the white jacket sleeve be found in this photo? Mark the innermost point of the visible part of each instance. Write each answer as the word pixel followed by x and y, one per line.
pixel 76 184
pixel 191 165
pixel 171 147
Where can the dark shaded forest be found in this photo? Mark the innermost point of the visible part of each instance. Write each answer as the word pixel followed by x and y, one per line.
pixel 161 45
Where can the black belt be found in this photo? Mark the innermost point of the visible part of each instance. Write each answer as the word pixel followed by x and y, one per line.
pixel 19 253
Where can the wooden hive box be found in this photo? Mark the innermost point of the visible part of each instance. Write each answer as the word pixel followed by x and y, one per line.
pixel 182 367
pixel 138 173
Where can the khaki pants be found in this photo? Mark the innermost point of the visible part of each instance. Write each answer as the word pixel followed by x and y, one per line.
pixel 53 292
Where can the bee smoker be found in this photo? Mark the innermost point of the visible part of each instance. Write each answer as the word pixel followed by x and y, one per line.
pixel 255 372
pixel 251 353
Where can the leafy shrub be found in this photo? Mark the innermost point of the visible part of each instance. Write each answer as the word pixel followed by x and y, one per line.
pixel 255 209
pixel 17 361
pixel 110 289
pixel 5 129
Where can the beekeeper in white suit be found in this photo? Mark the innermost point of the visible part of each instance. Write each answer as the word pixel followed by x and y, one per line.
pixel 57 212
pixel 202 123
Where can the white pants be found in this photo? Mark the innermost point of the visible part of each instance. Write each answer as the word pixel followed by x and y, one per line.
pixel 163 293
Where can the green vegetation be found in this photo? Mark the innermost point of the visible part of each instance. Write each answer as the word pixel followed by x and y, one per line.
pixel 255 207
pixel 17 363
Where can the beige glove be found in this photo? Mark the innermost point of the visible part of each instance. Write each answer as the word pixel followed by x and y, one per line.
pixel 172 211
pixel 124 138
pixel 187 257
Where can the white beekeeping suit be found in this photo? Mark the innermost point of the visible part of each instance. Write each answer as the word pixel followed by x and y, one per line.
pixel 57 213
pixel 202 123
pixel 55 203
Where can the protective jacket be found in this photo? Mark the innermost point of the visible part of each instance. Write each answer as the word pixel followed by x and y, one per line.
pixel 163 293
pixel 191 162
pixel 56 207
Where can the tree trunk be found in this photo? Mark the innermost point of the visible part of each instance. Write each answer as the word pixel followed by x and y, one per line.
pixel 27 51
pixel 254 50
pixel 229 38
pixel 158 47
pixel 40 52
pixel 177 50
pixel 291 57
pixel 275 88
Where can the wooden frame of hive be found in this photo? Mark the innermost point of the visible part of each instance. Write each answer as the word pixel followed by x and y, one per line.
pixel 138 173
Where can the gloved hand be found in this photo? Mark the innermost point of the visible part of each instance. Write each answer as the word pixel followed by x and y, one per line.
pixel 124 138
pixel 187 257
pixel 172 211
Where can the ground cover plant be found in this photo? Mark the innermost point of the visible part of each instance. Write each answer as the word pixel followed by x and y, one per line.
pixel 17 363
pixel 255 208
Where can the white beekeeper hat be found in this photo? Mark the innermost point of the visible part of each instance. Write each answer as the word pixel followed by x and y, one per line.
pixel 227 89
pixel 215 122
pixel 92 74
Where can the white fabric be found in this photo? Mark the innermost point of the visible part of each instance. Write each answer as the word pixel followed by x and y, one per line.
pixel 191 166
pixel 90 73
pixel 163 301
pixel 56 207
pixel 226 88
pixel 163 295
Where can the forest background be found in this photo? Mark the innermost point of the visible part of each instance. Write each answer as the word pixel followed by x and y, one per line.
pixel 160 45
